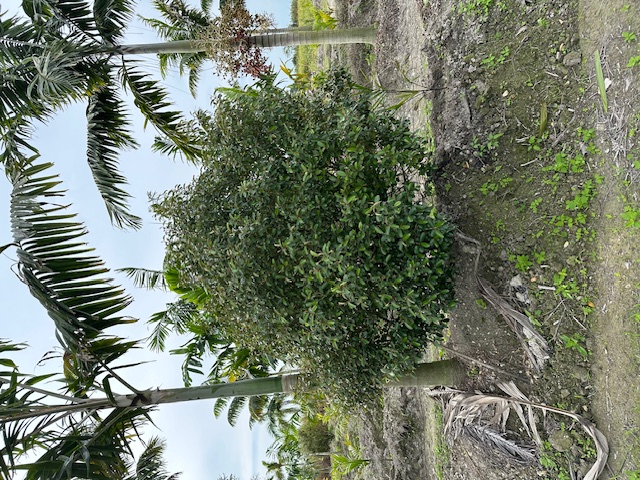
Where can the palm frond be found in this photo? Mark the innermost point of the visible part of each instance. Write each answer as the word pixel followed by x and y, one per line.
pixel 534 344
pixel 112 18
pixel 219 406
pixel 108 133
pixel 257 407
pixel 485 435
pixel 205 5
pixel 182 23
pixel 174 319
pixel 54 263
pixel 194 79
pixel 57 80
pixel 19 43
pixel 464 409
pixel 151 465
pixel 179 13
pixel 153 102
pixel 89 448
pixel 196 295
pixel 145 278
pixel 69 19
pixel 15 134
pixel 235 407
pixel 167 31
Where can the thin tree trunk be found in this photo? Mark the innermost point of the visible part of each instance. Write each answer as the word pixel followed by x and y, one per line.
pixel 281 37
pixel 443 373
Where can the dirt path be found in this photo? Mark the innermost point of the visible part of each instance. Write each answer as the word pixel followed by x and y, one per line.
pixel 615 347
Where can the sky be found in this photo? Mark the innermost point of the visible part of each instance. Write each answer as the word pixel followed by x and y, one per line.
pixel 198 445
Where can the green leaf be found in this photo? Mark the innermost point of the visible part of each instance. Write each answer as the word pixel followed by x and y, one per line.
pixel 600 80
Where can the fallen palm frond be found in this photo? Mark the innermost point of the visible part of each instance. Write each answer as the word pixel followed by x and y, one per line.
pixel 518 451
pixel 534 344
pixel 464 410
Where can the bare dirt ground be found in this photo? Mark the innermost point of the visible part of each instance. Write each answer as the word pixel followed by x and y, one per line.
pixel 545 178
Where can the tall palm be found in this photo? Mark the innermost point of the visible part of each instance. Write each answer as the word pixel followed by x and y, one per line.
pixel 234 40
pixel 69 51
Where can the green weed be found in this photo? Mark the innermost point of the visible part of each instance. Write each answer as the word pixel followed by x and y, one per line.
pixel 480 8
pixel 566 289
pixel 563 163
pixel 550 461
pixel 534 143
pixel 491 186
pixel 493 61
pixel 539 257
pixel 573 342
pixel 534 205
pixel 523 263
pixel 631 216
pixel 542 22
pixel 581 199
pixel 481 150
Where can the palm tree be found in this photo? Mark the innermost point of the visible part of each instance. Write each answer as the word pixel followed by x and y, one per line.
pixel 71 50
pixel 234 40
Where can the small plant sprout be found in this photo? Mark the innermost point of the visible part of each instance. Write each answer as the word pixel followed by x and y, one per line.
pixel 523 263
pixel 634 61
pixel 573 342
pixel 631 216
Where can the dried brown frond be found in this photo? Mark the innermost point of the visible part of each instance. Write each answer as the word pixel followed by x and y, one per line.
pixel 463 409
pixel 534 344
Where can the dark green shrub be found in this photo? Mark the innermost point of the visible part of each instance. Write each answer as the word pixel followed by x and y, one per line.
pixel 314 436
pixel 304 230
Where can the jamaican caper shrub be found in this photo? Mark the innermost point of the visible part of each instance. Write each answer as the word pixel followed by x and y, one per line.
pixel 304 230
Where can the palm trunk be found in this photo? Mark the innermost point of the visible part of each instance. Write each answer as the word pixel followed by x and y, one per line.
pixel 443 373
pixel 281 37
pixel 295 38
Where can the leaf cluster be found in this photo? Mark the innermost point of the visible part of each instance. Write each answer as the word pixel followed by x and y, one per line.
pixel 304 229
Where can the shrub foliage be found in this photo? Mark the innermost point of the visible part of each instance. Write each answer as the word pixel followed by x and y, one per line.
pixel 314 436
pixel 304 229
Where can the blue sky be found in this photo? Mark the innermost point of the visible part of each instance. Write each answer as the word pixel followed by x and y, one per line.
pixel 197 444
